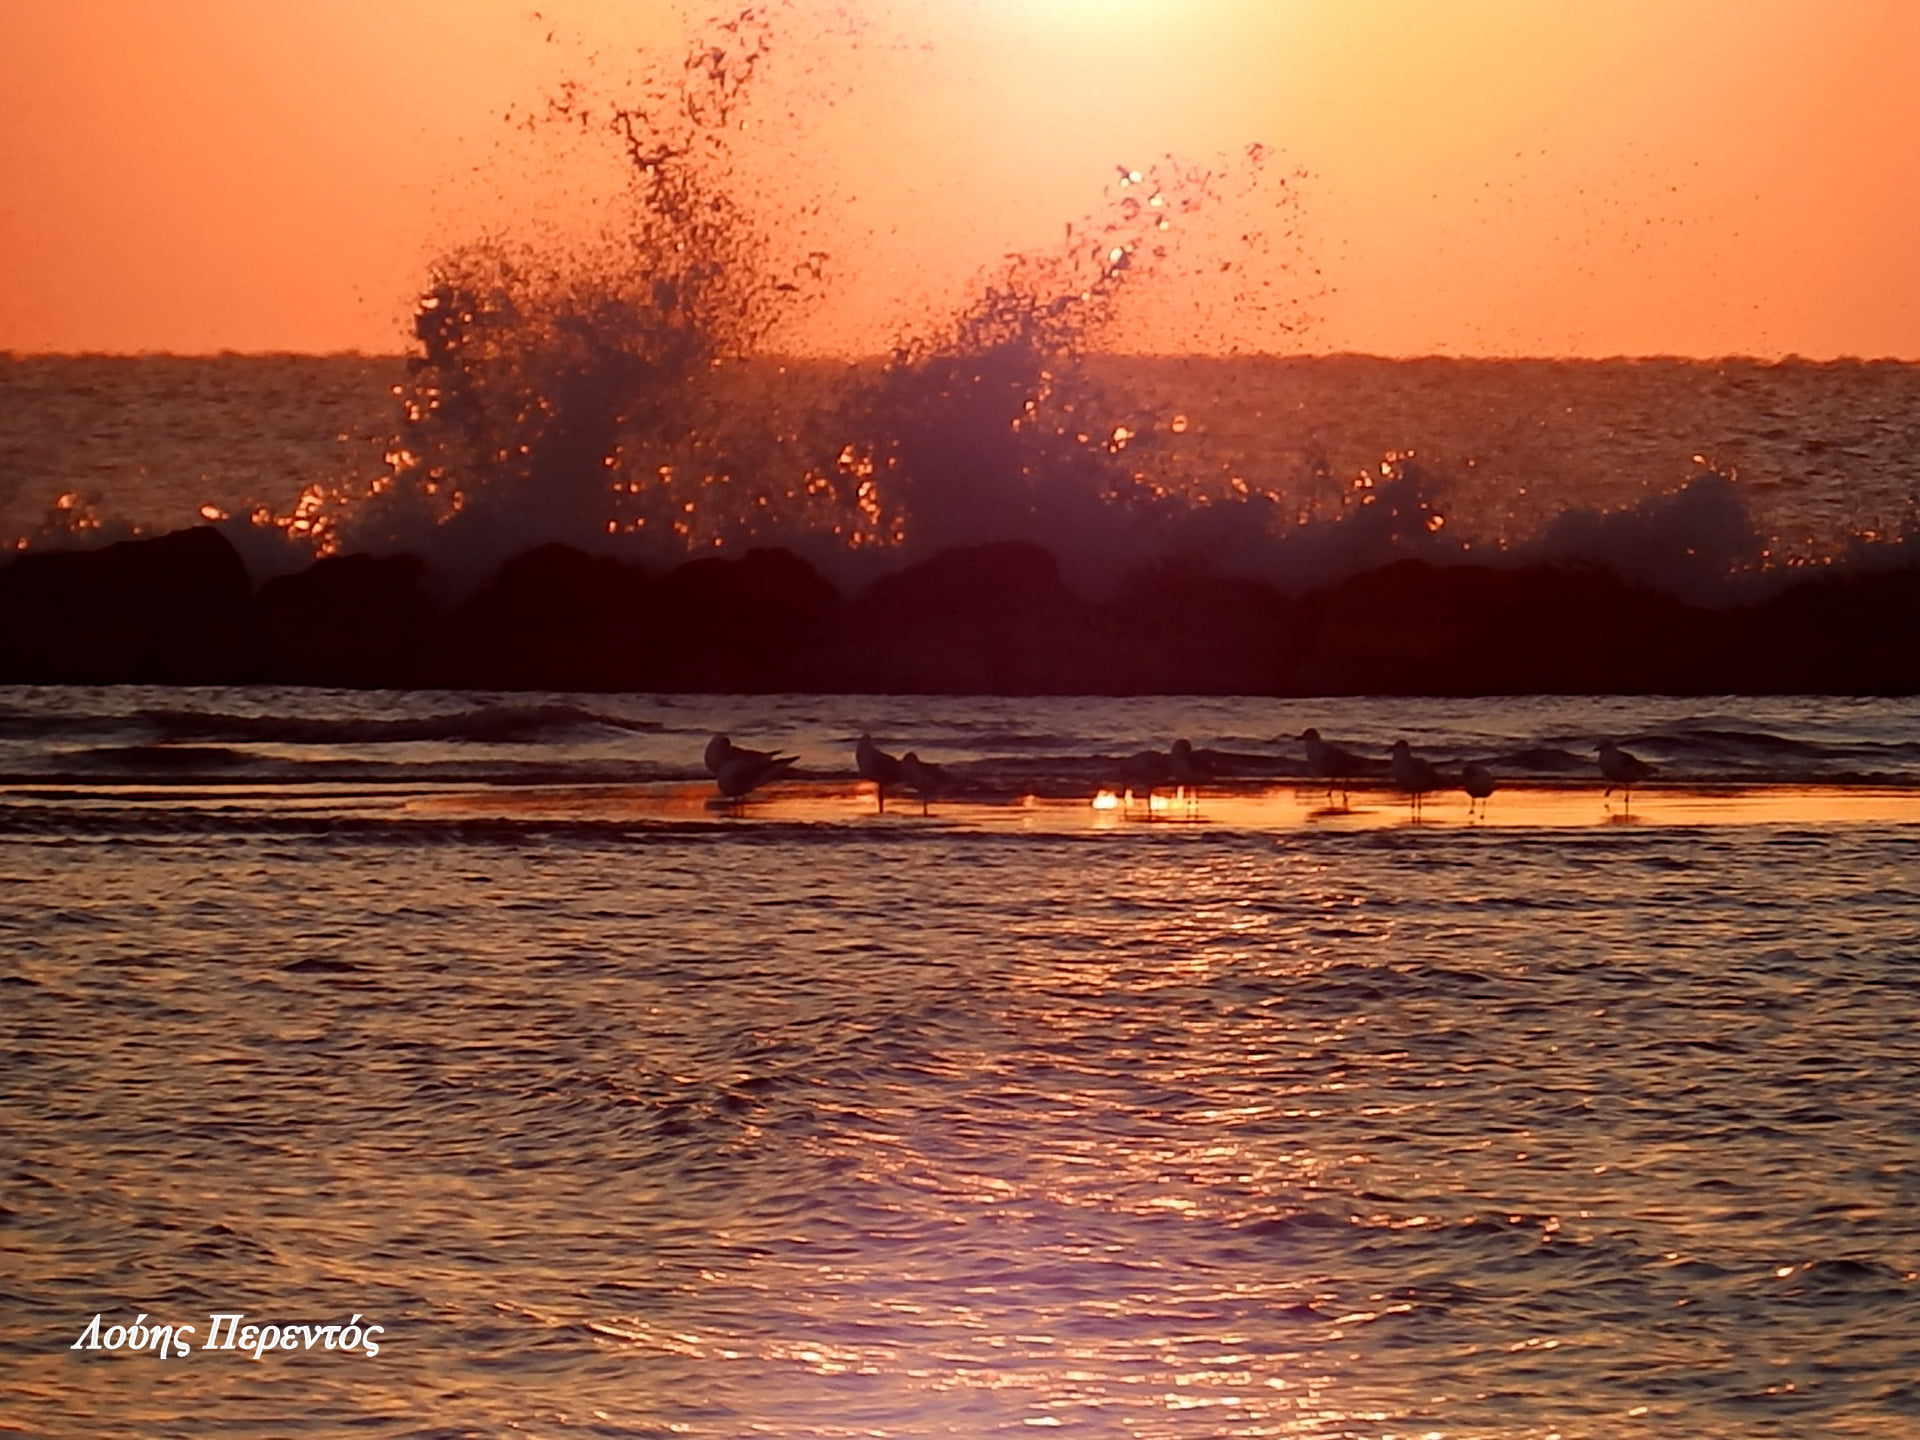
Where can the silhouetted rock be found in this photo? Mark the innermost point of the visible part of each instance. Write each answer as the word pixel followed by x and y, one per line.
pixel 1846 634
pixel 556 618
pixel 740 625
pixel 989 619
pixel 168 611
pixel 994 587
pixel 349 620
pixel 1416 629
pixel 1179 632
pixel 983 619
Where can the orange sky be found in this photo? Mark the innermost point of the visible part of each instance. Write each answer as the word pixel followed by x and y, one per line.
pixel 1484 176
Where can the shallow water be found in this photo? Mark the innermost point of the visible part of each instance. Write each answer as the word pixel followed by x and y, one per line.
pixel 719 1125
pixel 390 743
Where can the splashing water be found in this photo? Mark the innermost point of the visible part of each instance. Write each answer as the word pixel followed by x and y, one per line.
pixel 581 394
pixel 638 391
pixel 996 427
pixel 622 394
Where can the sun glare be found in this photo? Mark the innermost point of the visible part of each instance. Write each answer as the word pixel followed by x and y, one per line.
pixel 1081 12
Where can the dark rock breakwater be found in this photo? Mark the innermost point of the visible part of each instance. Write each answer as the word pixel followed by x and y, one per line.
pixel 988 619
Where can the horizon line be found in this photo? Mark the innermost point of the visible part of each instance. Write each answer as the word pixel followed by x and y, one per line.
pixel 1790 357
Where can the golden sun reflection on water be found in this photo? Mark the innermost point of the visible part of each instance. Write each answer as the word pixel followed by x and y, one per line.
pixel 795 1117
pixel 1274 808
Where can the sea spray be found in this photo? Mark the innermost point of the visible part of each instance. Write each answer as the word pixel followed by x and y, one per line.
pixel 625 392
pixel 589 392
pixel 992 426
pixel 630 394
pixel 636 392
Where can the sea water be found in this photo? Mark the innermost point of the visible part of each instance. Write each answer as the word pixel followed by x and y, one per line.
pixel 484 1073
pixel 1298 469
pixel 622 1111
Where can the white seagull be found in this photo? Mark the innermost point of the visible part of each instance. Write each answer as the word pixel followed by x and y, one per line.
pixel 1180 766
pixel 736 769
pixel 878 766
pixel 1477 780
pixel 1621 770
pixel 1188 770
pixel 1186 767
pixel 1147 771
pixel 745 770
pixel 1413 775
pixel 1330 763
pixel 720 749
pixel 922 777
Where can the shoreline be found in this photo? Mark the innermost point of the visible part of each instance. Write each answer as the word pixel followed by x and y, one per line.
pixel 1266 808
pixel 842 807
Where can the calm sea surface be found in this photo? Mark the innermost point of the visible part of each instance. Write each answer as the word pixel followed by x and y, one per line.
pixel 624 1115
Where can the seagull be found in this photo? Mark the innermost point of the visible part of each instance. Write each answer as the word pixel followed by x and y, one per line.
pixel 720 749
pixel 1188 770
pixel 1621 770
pixel 1477 780
pixel 1186 766
pixel 1413 775
pixel 878 766
pixel 1330 763
pixel 1147 770
pixel 1152 770
pixel 745 770
pixel 921 777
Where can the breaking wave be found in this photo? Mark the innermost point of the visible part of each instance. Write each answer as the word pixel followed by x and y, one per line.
pixel 626 394
pixel 1051 746
pixel 189 731
pixel 638 392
